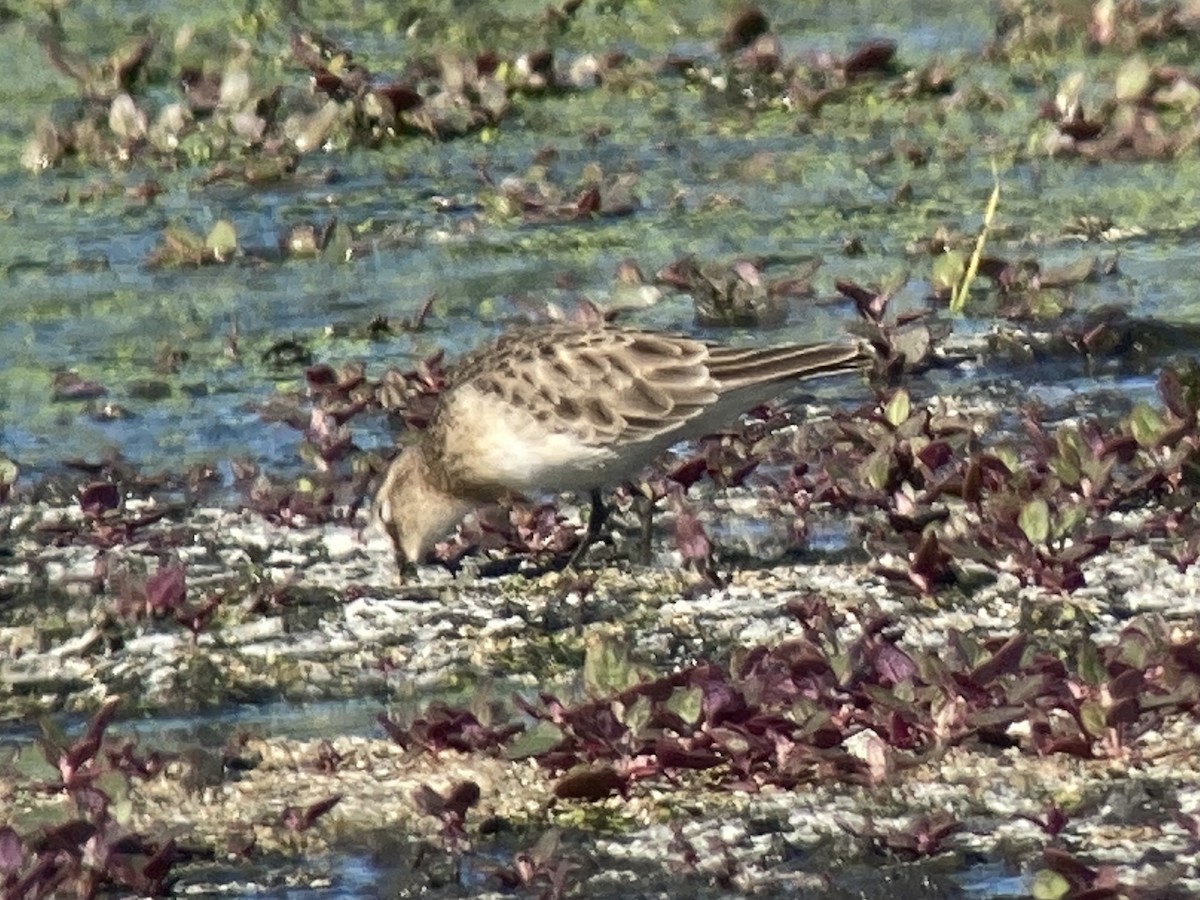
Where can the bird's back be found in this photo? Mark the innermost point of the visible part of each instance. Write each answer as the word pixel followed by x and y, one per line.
pixel 565 407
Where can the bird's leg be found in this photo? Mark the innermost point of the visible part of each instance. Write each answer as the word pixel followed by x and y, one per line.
pixel 645 508
pixel 406 570
pixel 596 519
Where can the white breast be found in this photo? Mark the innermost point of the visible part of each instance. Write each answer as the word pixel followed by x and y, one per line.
pixel 492 442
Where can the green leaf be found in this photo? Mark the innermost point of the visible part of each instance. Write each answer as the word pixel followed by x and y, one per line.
pixel 125 120
pixel 948 270
pixel 637 716
pixel 1034 521
pixel 877 468
pixel 116 786
pixel 898 408
pixel 1008 455
pixel 1099 472
pixel 1133 80
pixel 1181 94
pixel 541 738
pixel 1044 304
pixel 222 240
pixel 1135 650
pixel 841 665
pixel 1091 716
pixel 606 667
pixel 340 246
pixel 1070 274
pixel 686 703
pixel 1049 885
pixel 546 847
pixel 1069 519
pixel 180 246
pixel 1067 470
pixel 1089 664
pixel 1146 425
pixel 53 734
pixel 1072 451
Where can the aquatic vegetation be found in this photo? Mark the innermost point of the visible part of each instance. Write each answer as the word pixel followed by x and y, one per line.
pixel 280 223
pixel 89 851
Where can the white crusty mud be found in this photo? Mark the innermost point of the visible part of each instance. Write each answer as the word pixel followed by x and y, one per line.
pixel 343 628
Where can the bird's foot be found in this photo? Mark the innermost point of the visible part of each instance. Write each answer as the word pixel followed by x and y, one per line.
pixel 596 518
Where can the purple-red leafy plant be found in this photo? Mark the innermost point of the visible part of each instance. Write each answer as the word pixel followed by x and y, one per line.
pixel 91 854
pixel 161 596
pixel 540 865
pixel 300 819
pixel 785 715
pixel 450 808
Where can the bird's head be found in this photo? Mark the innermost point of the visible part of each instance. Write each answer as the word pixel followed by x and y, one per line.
pixel 413 511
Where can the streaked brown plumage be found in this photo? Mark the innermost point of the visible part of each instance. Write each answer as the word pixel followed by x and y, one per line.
pixel 572 408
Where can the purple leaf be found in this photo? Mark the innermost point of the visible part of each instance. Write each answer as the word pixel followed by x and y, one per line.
pixel 428 801
pixel 398 734
pixel 874 56
pixel 688 473
pixel 196 619
pixel 590 783
pixel 320 377
pixel 1003 662
pixel 936 454
pixel 894 664
pixel 159 866
pixel 69 837
pixel 91 801
pixel 1127 685
pixel 673 755
pixel 318 809
pixel 98 498
pixel 84 749
pixel 1123 712
pixel 722 703
pixel 166 588
pixel 1052 821
pixel 72 386
pixel 1174 396
pixel 12 856
pixel 461 798
pixel 300 820
pixel 690 538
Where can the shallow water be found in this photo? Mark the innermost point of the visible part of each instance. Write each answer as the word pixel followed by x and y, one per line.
pixel 77 296
pixel 357 876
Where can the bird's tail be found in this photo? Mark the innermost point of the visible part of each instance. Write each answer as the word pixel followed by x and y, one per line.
pixel 740 367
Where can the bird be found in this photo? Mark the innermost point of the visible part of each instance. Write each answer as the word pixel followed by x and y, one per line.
pixel 575 408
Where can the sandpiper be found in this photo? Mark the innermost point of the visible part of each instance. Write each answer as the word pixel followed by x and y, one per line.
pixel 575 408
